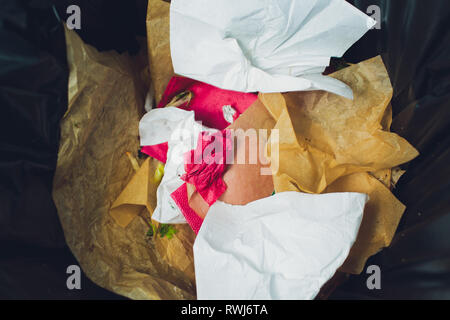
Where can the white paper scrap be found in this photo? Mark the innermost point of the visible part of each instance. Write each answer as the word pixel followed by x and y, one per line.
pixel 264 45
pixel 179 129
pixel 285 246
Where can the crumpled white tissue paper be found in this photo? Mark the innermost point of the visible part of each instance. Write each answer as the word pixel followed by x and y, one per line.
pixel 282 247
pixel 264 45
pixel 179 128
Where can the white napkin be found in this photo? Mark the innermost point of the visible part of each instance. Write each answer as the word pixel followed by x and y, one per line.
pixel 282 247
pixel 179 128
pixel 263 45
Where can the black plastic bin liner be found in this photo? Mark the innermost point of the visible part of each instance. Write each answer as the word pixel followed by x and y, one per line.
pixel 413 41
pixel 33 98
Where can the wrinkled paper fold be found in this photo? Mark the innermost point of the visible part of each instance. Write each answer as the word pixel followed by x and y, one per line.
pixel 93 173
pixel 263 46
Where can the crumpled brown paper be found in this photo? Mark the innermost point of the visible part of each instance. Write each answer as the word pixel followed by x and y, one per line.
pixel 328 143
pixel 329 136
pixel 382 214
pixel 158 38
pixel 101 125
pixel 139 194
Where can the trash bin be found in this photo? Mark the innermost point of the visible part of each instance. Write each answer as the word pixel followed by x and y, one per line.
pixel 412 41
